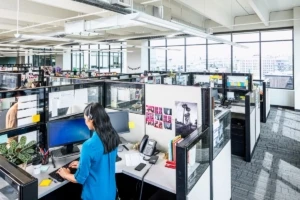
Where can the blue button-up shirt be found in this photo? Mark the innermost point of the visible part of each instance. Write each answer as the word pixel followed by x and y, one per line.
pixel 96 171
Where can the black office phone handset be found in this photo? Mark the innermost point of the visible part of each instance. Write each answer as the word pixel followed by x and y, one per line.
pixel 147 146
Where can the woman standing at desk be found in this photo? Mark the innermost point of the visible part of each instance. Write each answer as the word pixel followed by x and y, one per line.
pixel 96 168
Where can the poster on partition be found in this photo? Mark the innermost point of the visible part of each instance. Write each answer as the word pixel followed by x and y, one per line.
pixel 167 118
pixel 186 118
pixel 159 117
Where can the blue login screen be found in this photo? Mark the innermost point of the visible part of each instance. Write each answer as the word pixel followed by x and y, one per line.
pixel 67 132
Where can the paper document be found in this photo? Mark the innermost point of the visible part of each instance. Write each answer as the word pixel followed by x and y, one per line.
pixel 66 99
pixel 133 159
pixel 81 97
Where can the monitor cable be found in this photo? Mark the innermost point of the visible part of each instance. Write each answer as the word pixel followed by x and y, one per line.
pixel 141 193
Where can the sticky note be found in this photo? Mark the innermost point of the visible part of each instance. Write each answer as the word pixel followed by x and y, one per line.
pixel 131 125
pixel 36 118
pixel 45 182
pixel 44 168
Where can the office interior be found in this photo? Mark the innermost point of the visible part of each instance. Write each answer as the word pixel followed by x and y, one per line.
pixel 209 86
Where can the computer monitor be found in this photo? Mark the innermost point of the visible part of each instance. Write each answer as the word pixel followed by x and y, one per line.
pixel 67 133
pixel 120 121
pixel 215 94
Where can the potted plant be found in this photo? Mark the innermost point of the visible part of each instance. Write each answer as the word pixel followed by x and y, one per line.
pixel 18 152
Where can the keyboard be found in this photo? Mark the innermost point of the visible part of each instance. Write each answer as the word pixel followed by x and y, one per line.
pixel 57 177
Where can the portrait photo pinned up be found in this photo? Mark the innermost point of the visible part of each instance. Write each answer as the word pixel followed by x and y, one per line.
pixel 158 124
pixel 167 111
pixel 168 126
pixel 158 117
pixel 149 109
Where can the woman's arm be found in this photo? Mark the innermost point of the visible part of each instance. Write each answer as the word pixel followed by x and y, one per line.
pixel 71 178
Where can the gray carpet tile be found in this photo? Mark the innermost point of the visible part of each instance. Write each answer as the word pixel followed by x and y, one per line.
pixel 274 172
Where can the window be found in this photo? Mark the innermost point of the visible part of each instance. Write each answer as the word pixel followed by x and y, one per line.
pixel 195 40
pixel 104 62
pixel 158 60
pixel 219 58
pixel 76 58
pixel 94 57
pixel 245 37
pixel 196 58
pixel 175 41
pixel 86 54
pixel 115 62
pixel 269 55
pixel 155 43
pixel 247 60
pixel 276 35
pixel 277 63
pixel 225 37
pixel 175 56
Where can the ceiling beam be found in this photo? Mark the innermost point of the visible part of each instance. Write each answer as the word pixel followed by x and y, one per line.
pixel 261 9
pixel 211 10
pixel 73 6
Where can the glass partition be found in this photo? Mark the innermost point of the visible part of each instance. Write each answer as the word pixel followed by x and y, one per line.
pixel 20 108
pixel 221 132
pixel 68 100
pixel 192 160
pixel 125 96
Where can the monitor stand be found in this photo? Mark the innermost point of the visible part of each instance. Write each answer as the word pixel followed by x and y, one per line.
pixel 68 150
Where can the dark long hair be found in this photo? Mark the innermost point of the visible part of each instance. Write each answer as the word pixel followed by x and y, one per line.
pixel 103 127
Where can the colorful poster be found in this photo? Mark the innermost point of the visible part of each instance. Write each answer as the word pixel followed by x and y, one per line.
pixel 167 118
pixel 186 118
pixel 150 115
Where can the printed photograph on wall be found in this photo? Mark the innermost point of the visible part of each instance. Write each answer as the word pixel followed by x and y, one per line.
pixel 167 111
pixel 150 115
pixel 186 118
pixel 158 124
pixel 167 118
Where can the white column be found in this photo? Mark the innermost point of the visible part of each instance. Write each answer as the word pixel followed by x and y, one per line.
pixel 297 58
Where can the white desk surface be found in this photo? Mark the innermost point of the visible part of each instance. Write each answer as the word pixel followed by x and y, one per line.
pixel 237 109
pixel 158 175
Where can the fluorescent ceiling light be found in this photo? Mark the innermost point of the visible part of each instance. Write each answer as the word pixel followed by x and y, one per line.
pixel 39 37
pixel 147 2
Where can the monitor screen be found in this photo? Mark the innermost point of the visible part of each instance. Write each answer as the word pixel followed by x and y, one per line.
pixel 64 132
pixel 215 94
pixel 119 121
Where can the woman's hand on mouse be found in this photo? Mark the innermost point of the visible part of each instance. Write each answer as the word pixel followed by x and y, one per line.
pixel 74 164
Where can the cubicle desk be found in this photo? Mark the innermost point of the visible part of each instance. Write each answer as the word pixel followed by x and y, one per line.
pixel 154 176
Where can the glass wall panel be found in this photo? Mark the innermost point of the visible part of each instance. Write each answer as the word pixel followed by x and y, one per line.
pixel 196 58
pixel 175 56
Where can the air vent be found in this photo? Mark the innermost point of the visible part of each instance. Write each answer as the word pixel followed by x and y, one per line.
pixel 122 3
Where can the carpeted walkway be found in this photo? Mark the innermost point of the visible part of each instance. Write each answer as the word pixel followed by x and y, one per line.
pixel 274 172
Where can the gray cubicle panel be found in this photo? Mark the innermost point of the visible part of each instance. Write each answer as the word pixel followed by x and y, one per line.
pixel 221 163
pixel 193 166
pixel 171 97
pixel 137 127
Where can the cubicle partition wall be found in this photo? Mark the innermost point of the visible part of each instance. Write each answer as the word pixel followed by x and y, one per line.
pixel 171 110
pixel 267 101
pixel 193 172
pixel 130 97
pixel 10 81
pixel 70 98
pixel 221 157
pixel 252 124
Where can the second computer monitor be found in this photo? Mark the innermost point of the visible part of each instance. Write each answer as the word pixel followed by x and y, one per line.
pixel 119 121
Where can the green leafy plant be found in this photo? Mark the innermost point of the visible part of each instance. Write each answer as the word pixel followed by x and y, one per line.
pixel 18 153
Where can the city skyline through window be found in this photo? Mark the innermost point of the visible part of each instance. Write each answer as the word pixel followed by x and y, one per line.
pixel 269 55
